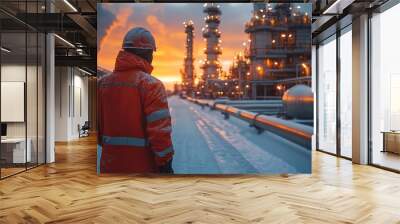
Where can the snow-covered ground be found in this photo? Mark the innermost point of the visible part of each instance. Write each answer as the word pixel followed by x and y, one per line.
pixel 205 143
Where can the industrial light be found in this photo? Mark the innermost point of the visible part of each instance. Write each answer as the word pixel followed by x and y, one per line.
pixel 298 7
pixel 338 6
pixel 79 51
pixel 86 72
pixel 5 50
pixel 70 5
pixel 64 40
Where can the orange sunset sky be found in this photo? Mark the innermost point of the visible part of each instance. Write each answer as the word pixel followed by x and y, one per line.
pixel 165 22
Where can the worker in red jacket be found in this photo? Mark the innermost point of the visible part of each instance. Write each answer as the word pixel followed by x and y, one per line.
pixel 134 124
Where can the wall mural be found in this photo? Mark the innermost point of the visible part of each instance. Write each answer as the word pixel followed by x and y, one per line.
pixel 193 88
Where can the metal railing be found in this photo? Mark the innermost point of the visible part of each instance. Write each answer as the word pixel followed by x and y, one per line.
pixel 269 49
pixel 297 133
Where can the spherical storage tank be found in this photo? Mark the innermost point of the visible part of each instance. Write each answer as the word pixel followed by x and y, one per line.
pixel 298 102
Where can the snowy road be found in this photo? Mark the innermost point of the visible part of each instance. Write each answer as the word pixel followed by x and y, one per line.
pixel 205 143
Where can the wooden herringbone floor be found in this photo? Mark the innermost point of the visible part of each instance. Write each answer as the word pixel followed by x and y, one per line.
pixel 70 192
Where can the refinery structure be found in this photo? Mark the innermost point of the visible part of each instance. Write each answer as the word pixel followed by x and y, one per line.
pixel 276 55
pixel 188 72
pixel 279 50
pixel 211 66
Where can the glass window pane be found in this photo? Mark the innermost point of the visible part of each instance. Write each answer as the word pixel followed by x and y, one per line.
pixel 13 86
pixel 346 94
pixel 23 81
pixel 385 89
pixel 327 96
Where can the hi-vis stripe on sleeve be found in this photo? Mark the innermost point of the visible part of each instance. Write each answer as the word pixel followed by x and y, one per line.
pixel 165 151
pixel 157 115
pixel 128 141
pixel 99 152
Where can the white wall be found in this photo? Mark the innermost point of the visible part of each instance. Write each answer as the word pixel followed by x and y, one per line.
pixel 70 83
pixel 12 73
pixel 33 127
pixel 79 117
pixel 62 82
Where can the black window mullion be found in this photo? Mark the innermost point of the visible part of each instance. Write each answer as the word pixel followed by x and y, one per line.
pixel 338 76
pixel 0 95
pixel 317 97
pixel 369 94
pixel 37 90
pixel 26 87
pixel 44 69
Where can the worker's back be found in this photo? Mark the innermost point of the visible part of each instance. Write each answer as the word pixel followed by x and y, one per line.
pixel 126 100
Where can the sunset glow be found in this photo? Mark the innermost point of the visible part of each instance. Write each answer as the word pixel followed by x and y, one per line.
pixel 165 23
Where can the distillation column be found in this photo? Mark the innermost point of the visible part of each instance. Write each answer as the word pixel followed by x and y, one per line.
pixel 211 66
pixel 188 74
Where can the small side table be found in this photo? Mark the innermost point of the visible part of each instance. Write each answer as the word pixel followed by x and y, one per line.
pixel 391 141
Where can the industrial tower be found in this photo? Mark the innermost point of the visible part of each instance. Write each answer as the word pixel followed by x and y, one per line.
pixel 188 73
pixel 211 66
pixel 279 49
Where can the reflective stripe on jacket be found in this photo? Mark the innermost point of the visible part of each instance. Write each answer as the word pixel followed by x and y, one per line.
pixel 134 124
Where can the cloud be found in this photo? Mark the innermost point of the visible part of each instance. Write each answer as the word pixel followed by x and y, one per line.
pixel 156 25
pixel 106 19
pixel 164 21
pixel 111 41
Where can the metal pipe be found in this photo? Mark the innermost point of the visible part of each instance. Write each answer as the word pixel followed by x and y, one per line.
pixel 297 133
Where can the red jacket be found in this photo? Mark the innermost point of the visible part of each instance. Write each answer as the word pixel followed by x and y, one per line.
pixel 134 122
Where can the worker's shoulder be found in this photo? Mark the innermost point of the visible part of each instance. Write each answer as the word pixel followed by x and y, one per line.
pixel 146 78
pixel 106 77
pixel 105 80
